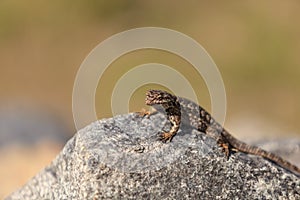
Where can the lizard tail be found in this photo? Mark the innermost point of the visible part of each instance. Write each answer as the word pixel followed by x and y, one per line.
pixel 243 147
pixel 276 159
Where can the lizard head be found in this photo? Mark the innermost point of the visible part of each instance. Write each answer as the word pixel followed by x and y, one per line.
pixel 159 97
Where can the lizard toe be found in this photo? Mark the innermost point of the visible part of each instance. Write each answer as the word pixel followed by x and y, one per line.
pixel 165 136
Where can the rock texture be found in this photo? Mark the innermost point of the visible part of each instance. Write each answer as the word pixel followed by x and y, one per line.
pixel 120 158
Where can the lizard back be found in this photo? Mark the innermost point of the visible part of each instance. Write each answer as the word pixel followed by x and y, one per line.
pixel 200 119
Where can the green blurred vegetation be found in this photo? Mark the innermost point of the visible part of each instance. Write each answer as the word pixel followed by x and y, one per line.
pixel 254 45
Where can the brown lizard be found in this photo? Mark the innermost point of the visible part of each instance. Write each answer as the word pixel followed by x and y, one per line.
pixel 178 108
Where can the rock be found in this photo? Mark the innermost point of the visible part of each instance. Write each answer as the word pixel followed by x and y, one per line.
pixel 120 158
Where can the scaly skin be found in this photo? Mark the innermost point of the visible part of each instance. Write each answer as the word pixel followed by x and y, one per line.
pixel 197 117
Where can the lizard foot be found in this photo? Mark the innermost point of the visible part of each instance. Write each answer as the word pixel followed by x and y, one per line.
pixel 226 148
pixel 146 113
pixel 165 136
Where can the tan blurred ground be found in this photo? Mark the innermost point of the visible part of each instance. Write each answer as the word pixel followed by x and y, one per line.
pixel 18 164
pixel 255 45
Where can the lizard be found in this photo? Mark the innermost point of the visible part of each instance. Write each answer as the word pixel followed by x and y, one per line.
pixel 179 109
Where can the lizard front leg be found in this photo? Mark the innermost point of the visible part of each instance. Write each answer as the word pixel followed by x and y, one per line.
pixel 171 106
pixel 146 113
pixel 175 122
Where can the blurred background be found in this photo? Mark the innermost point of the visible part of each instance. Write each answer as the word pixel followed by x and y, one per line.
pixel 42 44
